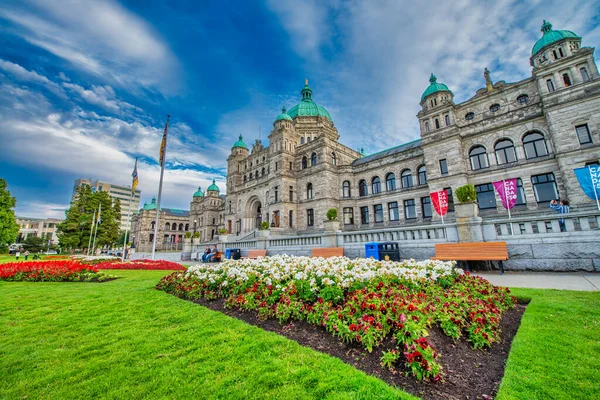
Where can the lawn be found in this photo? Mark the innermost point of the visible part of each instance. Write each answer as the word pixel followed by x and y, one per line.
pixel 124 339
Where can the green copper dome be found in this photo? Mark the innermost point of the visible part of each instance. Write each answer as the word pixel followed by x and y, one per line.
pixel 550 36
pixel 151 206
pixel 213 187
pixel 283 115
pixel 240 143
pixel 307 107
pixel 199 192
pixel 435 87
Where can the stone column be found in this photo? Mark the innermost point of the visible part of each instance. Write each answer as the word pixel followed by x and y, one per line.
pixel 468 222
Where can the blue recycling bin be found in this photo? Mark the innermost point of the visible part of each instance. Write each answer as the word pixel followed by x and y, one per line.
pixel 228 253
pixel 372 250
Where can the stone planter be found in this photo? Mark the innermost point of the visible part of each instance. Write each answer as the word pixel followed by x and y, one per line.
pixel 331 226
pixel 263 233
pixel 466 210
pixel 223 238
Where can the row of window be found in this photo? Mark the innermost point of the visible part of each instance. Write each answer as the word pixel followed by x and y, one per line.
pixel 436 123
pixel 406 179
pixel 314 160
pixel 567 79
pixel 521 99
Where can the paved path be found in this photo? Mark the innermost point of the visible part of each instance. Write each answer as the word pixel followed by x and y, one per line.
pixel 545 280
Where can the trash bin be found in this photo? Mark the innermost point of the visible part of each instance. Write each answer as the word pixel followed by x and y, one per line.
pixel 228 253
pixel 236 254
pixel 372 250
pixel 389 251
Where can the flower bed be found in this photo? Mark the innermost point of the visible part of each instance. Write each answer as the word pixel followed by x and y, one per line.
pixel 140 264
pixel 51 271
pixel 360 301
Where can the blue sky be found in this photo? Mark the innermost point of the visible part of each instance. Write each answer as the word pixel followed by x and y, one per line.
pixel 85 86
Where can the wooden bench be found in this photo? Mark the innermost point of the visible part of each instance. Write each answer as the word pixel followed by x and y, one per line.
pixel 256 253
pixel 472 251
pixel 327 252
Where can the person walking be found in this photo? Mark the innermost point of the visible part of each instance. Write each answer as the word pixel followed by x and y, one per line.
pixel 26 254
pixel 18 254
pixel 562 208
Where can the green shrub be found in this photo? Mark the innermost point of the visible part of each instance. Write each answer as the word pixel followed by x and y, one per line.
pixel 264 226
pixel 332 214
pixel 196 235
pixel 466 194
pixel 222 231
pixel 188 235
pixel 3 249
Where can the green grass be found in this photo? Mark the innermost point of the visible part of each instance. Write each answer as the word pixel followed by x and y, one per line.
pixel 123 339
pixel 556 353
pixel 5 258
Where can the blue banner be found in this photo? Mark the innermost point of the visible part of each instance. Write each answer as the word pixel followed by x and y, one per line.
pixel 589 179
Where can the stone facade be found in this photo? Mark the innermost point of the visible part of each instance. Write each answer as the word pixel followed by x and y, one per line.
pixel 207 213
pixel 537 130
pixel 172 226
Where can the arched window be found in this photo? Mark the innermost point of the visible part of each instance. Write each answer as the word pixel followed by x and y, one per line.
pixel 550 85
pixel 304 162
pixel 346 192
pixel 478 157
pixel 313 159
pixel 251 176
pixel 554 54
pixel 187 227
pixel 333 159
pixel 362 188
pixel 180 227
pixel 245 179
pixel 560 51
pixel 494 107
pixel 505 151
pixel 302 140
pixel 422 171
pixel 584 74
pixel 262 172
pixel 256 174
pixel 447 118
pixel 566 80
pixel 407 179
pixel 152 225
pixel 376 185
pixel 437 123
pixel 535 145
pixel 309 191
pixel 426 126
pixel 469 116
pixel 390 182
pixel 167 226
pixel 523 98
pixel 174 226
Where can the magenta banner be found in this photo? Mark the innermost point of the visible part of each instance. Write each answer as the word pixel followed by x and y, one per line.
pixel 507 189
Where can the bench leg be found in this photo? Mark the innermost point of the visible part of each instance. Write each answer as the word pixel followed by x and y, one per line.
pixel 501 264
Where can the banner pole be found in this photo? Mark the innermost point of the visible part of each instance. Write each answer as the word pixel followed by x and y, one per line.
pixel 594 187
pixel 127 226
pixel 440 206
pixel 507 207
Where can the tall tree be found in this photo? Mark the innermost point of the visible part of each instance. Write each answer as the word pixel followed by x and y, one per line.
pixel 74 231
pixel 8 223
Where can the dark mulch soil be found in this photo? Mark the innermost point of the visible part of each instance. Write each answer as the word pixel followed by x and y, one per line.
pixel 467 373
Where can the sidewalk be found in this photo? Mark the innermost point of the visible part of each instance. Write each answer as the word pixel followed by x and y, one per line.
pixel 543 280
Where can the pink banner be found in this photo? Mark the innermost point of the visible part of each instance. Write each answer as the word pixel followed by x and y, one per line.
pixel 440 202
pixel 507 189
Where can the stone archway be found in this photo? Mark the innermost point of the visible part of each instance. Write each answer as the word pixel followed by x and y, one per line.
pixel 253 214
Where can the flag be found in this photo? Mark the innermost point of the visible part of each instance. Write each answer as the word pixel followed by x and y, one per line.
pixel 99 211
pixel 589 179
pixel 163 144
pixel 507 190
pixel 440 202
pixel 134 175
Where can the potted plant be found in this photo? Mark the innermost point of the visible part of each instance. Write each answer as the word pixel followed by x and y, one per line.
pixel 223 236
pixel 187 238
pixel 467 202
pixel 332 224
pixel 263 230
pixel 196 237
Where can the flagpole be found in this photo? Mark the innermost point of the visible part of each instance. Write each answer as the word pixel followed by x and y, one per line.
pixel 127 226
pixel 96 231
pixel 507 207
pixel 594 187
pixel 440 205
pixel 162 172
pixel 91 231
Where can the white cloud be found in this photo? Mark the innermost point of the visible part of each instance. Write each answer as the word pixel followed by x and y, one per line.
pixel 41 209
pixel 102 96
pixel 23 74
pixel 101 37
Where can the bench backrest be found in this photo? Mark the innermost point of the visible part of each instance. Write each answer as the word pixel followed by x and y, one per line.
pixel 327 252
pixel 472 251
pixel 257 253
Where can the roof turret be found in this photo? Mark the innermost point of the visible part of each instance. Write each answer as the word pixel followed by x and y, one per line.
pixel 283 115
pixel 307 107
pixel 199 192
pixel 435 87
pixel 213 187
pixel 551 36
pixel 240 143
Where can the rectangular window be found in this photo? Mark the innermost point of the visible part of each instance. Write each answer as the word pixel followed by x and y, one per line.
pixel 276 166
pixel 520 193
pixel 291 219
pixel 583 134
pixel 291 166
pixel 450 199
pixel 393 211
pixel 544 187
pixel 485 196
pixel 378 212
pixel 291 193
pixel 276 192
pixel 443 167
pixel 410 211
pixel 426 207
pixel 348 216
pixel 310 217
pixel 364 215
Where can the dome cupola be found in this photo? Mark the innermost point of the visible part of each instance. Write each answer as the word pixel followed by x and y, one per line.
pixel 550 37
pixel 213 188
pixel 151 206
pixel 283 116
pixel 240 143
pixel 307 107
pixel 199 192
pixel 435 87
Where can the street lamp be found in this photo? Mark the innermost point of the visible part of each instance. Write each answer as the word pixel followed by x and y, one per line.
pixel 195 221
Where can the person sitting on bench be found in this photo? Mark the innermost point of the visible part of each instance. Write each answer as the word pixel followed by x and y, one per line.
pixel 206 254
pixel 213 254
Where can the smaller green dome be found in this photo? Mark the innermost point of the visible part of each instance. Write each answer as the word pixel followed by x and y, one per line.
pixel 151 206
pixel 199 192
pixel 283 115
pixel 213 187
pixel 550 36
pixel 240 143
pixel 435 87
